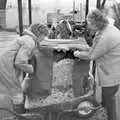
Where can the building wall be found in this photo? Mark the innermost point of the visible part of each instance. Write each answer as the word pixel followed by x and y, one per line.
pixel 40 8
pixel 39 12
pixel 12 16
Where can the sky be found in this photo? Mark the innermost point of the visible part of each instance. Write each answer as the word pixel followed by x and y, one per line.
pixel 65 5
pixel 51 5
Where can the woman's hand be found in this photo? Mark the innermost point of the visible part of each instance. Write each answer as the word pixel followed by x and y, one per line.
pixel 77 53
pixel 82 54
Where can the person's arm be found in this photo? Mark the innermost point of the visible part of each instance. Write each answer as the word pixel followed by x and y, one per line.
pixel 23 55
pixel 79 46
pixel 99 48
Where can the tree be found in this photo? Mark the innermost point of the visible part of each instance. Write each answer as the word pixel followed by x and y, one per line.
pixel 103 3
pixel 100 4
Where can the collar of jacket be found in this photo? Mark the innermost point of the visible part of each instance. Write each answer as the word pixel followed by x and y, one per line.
pixel 99 32
pixel 27 32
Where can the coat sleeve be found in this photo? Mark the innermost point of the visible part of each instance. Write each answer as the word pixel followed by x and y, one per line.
pixel 24 54
pixel 99 48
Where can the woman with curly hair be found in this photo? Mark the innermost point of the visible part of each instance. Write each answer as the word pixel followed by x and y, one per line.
pixel 14 61
pixel 106 53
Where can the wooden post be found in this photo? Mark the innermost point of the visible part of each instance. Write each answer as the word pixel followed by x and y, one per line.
pixel 30 12
pixel 87 8
pixel 73 10
pixel 20 17
pixel 86 13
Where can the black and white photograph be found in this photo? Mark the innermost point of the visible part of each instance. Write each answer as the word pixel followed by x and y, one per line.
pixel 59 59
